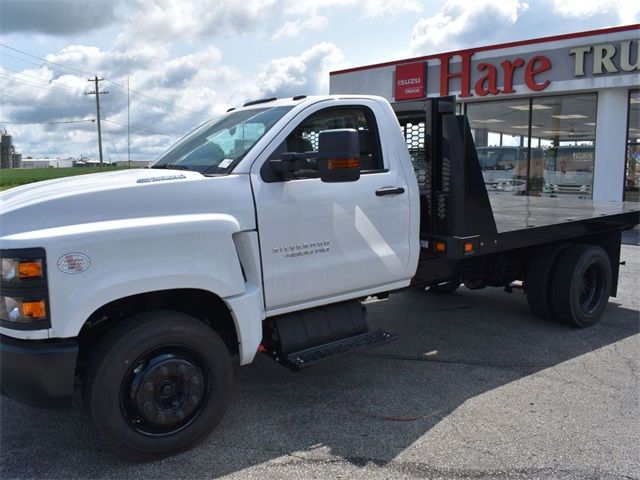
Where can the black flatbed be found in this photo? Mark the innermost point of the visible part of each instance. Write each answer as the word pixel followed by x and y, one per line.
pixel 513 213
pixel 521 223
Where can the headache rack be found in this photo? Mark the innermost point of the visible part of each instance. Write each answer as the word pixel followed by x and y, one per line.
pixel 455 207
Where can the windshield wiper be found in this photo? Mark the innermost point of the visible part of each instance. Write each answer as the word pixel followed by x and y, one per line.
pixel 172 166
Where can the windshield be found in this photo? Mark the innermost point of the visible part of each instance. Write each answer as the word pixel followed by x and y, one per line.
pixel 497 158
pixel 570 159
pixel 218 145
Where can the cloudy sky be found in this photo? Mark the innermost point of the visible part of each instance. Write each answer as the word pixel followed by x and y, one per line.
pixel 188 60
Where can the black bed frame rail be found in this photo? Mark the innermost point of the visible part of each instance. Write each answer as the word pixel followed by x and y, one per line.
pixel 455 202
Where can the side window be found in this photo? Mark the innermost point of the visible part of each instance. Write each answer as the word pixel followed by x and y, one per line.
pixel 304 138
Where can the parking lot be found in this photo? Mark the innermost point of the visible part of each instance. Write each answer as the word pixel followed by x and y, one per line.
pixel 475 386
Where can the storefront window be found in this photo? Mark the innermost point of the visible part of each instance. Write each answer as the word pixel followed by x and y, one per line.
pixel 632 171
pixel 563 152
pixel 541 146
pixel 500 131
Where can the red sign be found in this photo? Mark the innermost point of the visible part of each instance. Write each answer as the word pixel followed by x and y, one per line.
pixel 411 81
pixel 488 84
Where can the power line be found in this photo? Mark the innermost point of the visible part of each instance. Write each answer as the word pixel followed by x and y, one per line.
pixel 186 111
pixel 112 140
pixel 173 107
pixel 92 120
pixel 25 100
pixel 139 128
pixel 21 59
pixel 44 60
pixel 31 84
pixel 45 82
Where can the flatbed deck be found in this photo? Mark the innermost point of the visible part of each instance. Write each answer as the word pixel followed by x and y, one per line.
pixel 516 213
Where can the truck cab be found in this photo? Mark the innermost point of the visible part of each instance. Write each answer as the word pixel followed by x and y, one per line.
pixel 568 171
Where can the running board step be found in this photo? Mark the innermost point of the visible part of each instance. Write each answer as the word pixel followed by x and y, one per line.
pixel 304 358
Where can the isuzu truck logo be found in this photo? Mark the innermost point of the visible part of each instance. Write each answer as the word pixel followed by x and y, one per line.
pixel 411 81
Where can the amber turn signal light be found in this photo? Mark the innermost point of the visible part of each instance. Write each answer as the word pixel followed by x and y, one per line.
pixel 30 269
pixel 34 310
pixel 335 163
pixel 441 247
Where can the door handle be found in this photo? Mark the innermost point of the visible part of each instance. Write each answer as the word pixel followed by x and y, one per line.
pixel 389 191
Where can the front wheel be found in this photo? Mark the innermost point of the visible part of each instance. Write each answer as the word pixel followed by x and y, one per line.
pixel 157 384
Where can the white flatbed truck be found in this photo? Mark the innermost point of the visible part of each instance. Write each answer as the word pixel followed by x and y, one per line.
pixel 263 231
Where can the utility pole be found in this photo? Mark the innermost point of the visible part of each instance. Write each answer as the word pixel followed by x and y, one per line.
pixel 97 93
pixel 128 129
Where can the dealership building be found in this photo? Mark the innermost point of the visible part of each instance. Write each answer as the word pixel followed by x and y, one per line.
pixel 553 116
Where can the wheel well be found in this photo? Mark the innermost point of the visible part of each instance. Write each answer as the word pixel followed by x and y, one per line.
pixel 201 304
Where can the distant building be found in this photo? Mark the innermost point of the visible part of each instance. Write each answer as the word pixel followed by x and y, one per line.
pixel 134 163
pixel 47 163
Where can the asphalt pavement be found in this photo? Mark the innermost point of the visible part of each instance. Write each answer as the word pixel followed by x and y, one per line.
pixel 475 386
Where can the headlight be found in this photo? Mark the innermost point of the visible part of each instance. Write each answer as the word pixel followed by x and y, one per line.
pixel 16 270
pixel 24 297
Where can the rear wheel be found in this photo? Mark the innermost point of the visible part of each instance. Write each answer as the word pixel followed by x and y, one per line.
pixel 158 384
pixel 538 280
pixel 581 285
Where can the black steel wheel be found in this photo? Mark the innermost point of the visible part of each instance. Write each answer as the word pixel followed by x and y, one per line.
pixel 157 384
pixel 581 285
pixel 164 390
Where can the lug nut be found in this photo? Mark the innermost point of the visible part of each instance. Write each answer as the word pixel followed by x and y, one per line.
pixel 149 386
pixel 160 418
pixel 164 371
pixel 179 414
pixel 195 381
pixel 147 407
pixel 182 369
pixel 194 399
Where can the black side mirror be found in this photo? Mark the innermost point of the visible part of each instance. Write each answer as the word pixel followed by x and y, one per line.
pixel 339 155
pixel 287 163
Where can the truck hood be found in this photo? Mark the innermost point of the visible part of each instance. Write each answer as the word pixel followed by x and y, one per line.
pixel 123 194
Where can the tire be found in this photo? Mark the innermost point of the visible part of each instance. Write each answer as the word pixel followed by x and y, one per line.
pixel 538 280
pixel 445 288
pixel 581 285
pixel 157 384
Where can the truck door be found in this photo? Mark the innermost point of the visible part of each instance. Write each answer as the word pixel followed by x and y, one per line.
pixel 321 240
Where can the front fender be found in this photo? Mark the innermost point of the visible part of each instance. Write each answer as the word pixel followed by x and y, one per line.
pixel 133 256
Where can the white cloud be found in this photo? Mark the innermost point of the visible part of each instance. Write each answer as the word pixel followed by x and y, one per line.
pixel 166 21
pixel 386 8
pixel 300 26
pixel 460 23
pixel 464 24
pixel 627 11
pixel 307 73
